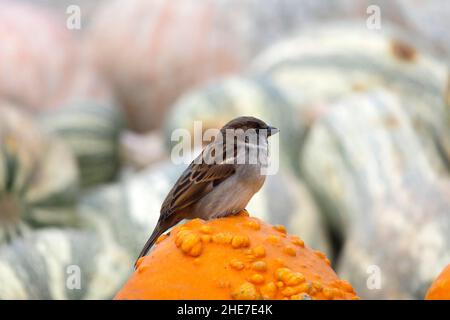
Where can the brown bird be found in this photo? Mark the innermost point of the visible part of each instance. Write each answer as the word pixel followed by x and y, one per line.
pixel 221 180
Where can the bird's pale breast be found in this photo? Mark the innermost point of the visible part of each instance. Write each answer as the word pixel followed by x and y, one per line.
pixel 232 195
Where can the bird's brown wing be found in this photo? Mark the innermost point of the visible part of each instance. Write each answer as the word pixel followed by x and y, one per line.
pixel 195 182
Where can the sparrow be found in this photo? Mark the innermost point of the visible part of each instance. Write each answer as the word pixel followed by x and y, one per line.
pixel 221 180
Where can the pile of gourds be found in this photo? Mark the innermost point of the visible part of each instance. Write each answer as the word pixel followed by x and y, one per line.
pixel 364 141
pixel 43 173
pixel 367 130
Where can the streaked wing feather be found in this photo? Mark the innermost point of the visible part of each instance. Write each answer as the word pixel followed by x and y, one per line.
pixel 195 182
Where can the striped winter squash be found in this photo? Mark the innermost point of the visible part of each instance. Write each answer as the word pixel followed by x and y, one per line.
pixel 128 209
pixel 37 71
pixel 351 58
pixel 417 17
pixel 157 49
pixel 91 130
pixel 62 264
pixel 381 195
pixel 38 175
pixel 332 150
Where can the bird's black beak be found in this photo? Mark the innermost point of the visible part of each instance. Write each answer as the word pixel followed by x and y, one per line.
pixel 272 130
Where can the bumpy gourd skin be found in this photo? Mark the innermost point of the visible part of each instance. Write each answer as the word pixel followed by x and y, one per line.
pixel 238 257
pixel 440 289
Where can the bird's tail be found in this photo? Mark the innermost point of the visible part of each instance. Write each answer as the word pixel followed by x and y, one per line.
pixel 162 225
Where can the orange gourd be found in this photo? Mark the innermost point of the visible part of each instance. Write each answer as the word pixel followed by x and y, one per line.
pixel 440 289
pixel 237 257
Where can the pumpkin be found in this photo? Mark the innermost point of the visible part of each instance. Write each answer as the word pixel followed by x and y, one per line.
pixel 381 196
pixel 61 264
pixel 218 102
pixel 37 72
pixel 236 257
pixel 165 48
pixel 440 289
pixel 38 175
pixel 130 208
pixel 91 130
pixel 156 50
pixel 353 59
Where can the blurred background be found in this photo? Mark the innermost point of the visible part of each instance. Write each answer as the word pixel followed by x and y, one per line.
pixel 90 92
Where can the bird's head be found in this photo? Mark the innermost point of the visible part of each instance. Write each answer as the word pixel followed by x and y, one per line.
pixel 246 123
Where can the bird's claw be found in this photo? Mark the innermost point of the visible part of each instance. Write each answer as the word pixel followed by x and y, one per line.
pixel 244 213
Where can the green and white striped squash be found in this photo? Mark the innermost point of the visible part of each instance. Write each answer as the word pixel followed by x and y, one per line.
pixel 220 101
pixel 38 176
pixel 370 174
pixel 128 211
pixel 91 131
pixel 357 150
pixel 158 49
pixel 62 264
pixel 418 19
pixel 324 64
